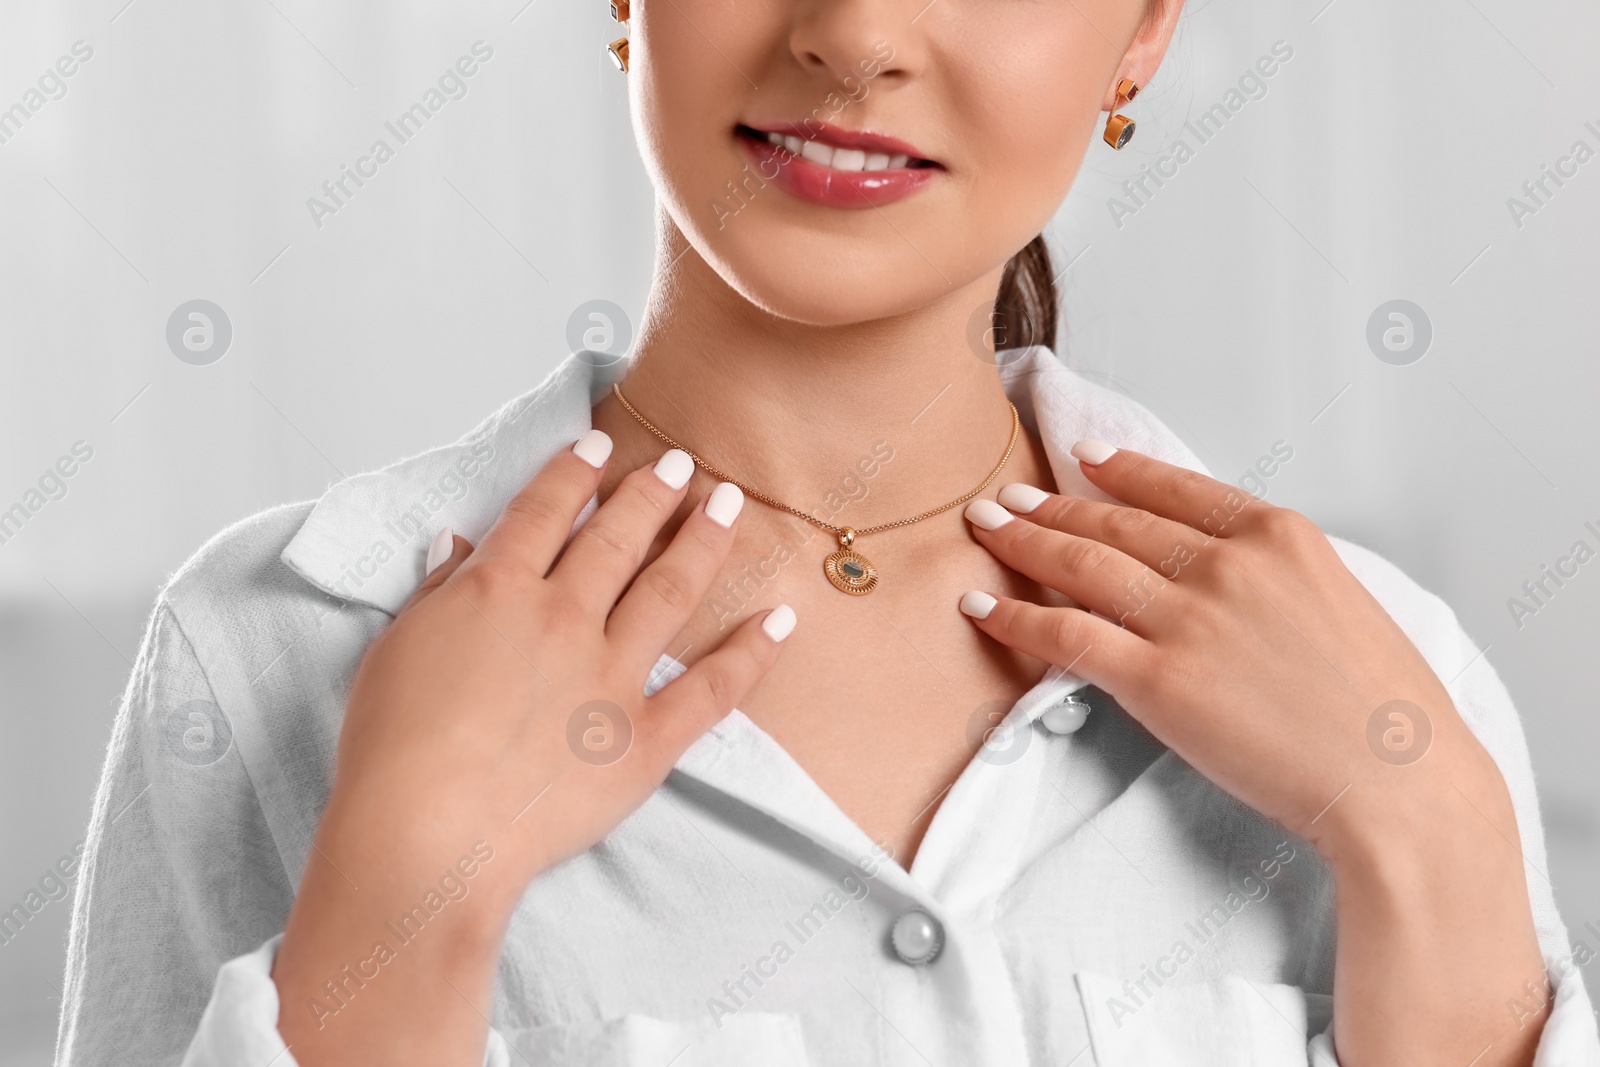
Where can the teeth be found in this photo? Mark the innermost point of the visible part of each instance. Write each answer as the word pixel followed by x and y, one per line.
pixel 846 159
pixel 818 153
pixel 849 159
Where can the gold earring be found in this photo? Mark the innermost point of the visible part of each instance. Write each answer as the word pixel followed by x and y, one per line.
pixel 618 49
pixel 1119 128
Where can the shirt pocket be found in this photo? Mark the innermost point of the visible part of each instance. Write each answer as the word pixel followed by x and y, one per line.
pixel 768 1038
pixel 1222 1022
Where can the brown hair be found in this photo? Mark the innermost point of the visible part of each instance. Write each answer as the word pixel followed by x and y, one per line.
pixel 1025 310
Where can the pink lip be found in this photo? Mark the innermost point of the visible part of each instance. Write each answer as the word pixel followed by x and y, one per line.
pixel 838 137
pixel 801 178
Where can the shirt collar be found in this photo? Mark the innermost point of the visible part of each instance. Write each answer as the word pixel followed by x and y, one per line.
pixel 366 539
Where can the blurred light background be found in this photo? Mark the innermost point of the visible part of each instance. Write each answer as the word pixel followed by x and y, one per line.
pixel 1376 163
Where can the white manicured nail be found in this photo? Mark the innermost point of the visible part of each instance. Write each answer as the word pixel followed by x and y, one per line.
pixel 674 467
pixel 1093 452
pixel 977 603
pixel 594 448
pixel 439 551
pixel 779 621
pixel 1022 497
pixel 724 504
pixel 988 514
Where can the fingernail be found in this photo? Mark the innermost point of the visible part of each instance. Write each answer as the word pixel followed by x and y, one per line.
pixel 594 448
pixel 977 603
pixel 439 551
pixel 987 514
pixel 1022 497
pixel 674 467
pixel 779 621
pixel 1093 452
pixel 724 504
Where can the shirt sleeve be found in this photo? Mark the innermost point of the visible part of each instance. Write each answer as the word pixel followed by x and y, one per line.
pixel 180 871
pixel 240 1024
pixel 183 894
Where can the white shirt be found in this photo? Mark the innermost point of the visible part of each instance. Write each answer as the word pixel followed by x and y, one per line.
pixel 1098 902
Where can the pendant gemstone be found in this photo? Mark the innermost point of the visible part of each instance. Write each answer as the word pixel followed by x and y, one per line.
pixel 850 572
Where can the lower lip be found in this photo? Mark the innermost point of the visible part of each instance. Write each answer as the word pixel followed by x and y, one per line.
pixel 810 181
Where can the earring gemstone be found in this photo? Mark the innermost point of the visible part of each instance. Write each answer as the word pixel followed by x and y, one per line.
pixel 1119 131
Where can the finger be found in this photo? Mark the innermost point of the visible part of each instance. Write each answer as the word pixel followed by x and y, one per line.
pixel 704 694
pixel 666 594
pixel 1100 652
pixel 447 552
pixel 606 554
pixel 538 520
pixel 1095 575
pixel 1163 489
pixel 1156 542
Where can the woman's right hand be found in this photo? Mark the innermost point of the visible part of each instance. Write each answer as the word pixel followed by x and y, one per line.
pixel 502 714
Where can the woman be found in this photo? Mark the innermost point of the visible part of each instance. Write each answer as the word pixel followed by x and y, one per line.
pixel 1049 749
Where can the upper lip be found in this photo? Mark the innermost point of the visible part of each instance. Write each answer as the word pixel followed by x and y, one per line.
pixel 839 137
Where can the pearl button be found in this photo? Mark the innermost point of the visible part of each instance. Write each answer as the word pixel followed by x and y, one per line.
pixel 917 937
pixel 1067 716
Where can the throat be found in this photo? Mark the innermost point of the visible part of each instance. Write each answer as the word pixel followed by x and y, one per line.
pixel 882 700
pixel 876 691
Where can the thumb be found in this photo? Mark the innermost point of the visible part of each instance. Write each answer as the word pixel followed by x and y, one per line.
pixel 445 554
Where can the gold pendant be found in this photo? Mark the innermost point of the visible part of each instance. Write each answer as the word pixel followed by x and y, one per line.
pixel 849 570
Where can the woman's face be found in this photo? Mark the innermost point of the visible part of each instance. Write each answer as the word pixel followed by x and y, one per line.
pixel 993 100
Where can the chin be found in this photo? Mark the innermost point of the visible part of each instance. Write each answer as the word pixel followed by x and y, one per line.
pixel 823 279
pixel 821 271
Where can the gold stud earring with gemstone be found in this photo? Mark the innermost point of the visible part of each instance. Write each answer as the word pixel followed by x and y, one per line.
pixel 1119 128
pixel 618 49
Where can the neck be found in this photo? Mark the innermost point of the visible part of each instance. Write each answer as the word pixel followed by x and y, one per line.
pixel 796 411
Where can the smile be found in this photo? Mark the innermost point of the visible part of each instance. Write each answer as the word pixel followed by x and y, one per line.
pixel 837 168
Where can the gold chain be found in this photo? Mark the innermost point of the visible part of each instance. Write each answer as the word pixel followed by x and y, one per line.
pixel 846 534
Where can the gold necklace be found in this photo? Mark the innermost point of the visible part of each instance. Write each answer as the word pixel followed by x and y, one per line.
pixel 846 568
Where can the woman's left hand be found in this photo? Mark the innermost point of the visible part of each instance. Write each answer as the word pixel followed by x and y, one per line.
pixel 1235 634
